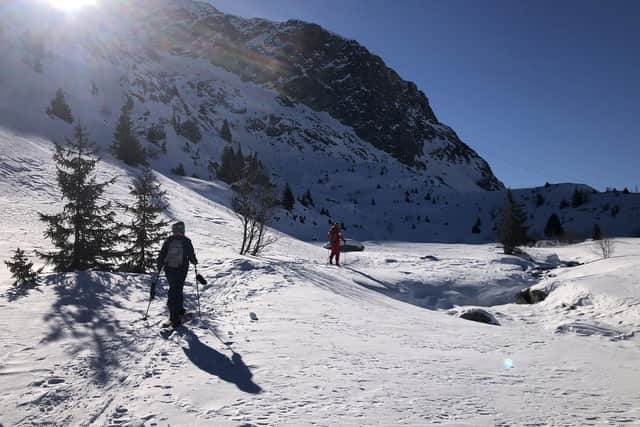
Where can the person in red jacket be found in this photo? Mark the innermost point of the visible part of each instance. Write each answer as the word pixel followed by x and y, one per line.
pixel 334 239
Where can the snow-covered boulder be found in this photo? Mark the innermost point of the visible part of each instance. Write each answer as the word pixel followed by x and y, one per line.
pixel 478 315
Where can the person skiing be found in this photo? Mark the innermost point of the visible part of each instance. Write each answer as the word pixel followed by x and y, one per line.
pixel 334 239
pixel 175 255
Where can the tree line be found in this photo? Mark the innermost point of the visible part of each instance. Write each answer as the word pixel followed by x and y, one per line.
pixel 86 233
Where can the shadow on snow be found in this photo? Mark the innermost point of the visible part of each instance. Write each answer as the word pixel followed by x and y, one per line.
pixel 232 370
pixel 83 310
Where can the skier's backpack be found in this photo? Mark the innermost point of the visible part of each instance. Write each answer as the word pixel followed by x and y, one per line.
pixel 175 254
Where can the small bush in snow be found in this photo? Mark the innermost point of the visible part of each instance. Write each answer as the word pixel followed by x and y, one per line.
pixel 21 269
pixel 604 247
pixel 255 206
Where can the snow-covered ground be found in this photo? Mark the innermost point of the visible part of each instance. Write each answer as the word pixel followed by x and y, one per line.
pixel 371 343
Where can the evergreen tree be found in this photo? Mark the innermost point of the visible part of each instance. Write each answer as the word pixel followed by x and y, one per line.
pixel 85 233
pixel 238 165
pixel 512 230
pixel 146 229
pixel 225 131
pixel 288 199
pixel 476 227
pixel 179 170
pixel 59 107
pixel 225 171
pixel 553 229
pixel 126 146
pixel 597 232
pixel 539 200
pixel 306 199
pixel 255 171
pixel 21 269
pixel 578 198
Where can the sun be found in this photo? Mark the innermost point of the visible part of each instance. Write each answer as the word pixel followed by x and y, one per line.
pixel 71 5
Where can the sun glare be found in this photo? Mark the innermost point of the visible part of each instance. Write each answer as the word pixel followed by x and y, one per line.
pixel 71 5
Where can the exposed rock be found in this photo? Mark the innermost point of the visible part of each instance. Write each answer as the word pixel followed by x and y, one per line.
pixel 318 68
pixel 479 315
pixel 530 296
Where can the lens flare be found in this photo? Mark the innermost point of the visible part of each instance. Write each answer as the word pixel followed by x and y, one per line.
pixel 71 5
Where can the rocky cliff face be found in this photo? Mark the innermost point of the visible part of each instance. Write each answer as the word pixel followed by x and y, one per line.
pixel 320 111
pixel 312 66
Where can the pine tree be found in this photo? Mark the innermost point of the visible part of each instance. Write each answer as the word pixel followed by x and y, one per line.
pixel 225 131
pixel 306 199
pixel 255 171
pixel 512 230
pixel 553 229
pixel 85 233
pixel 21 269
pixel 225 172
pixel 237 165
pixel 146 229
pixel 476 229
pixel 59 107
pixel 539 200
pixel 126 145
pixel 288 199
pixel 578 198
pixel 597 232
pixel 179 170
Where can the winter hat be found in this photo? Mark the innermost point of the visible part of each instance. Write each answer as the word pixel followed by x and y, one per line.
pixel 178 228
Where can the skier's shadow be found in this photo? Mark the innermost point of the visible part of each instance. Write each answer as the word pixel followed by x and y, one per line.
pixel 232 370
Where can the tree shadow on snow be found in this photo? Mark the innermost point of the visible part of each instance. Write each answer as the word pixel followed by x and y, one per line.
pixel 14 293
pixel 232 370
pixel 83 309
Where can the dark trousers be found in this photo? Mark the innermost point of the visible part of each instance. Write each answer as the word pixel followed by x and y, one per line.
pixel 334 253
pixel 176 298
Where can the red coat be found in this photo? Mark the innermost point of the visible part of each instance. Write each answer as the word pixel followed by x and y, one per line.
pixel 334 238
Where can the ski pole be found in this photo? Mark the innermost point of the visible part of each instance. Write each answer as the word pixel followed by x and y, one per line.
pixel 153 292
pixel 198 293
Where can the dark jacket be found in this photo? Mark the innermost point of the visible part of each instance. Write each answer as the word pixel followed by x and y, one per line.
pixel 188 255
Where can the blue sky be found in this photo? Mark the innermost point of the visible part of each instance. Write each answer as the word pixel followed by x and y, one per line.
pixel 544 90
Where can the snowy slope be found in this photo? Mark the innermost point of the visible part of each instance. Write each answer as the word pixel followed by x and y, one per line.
pixel 99 56
pixel 362 345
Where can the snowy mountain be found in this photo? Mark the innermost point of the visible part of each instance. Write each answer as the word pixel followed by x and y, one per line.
pixel 320 111
pixel 377 342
